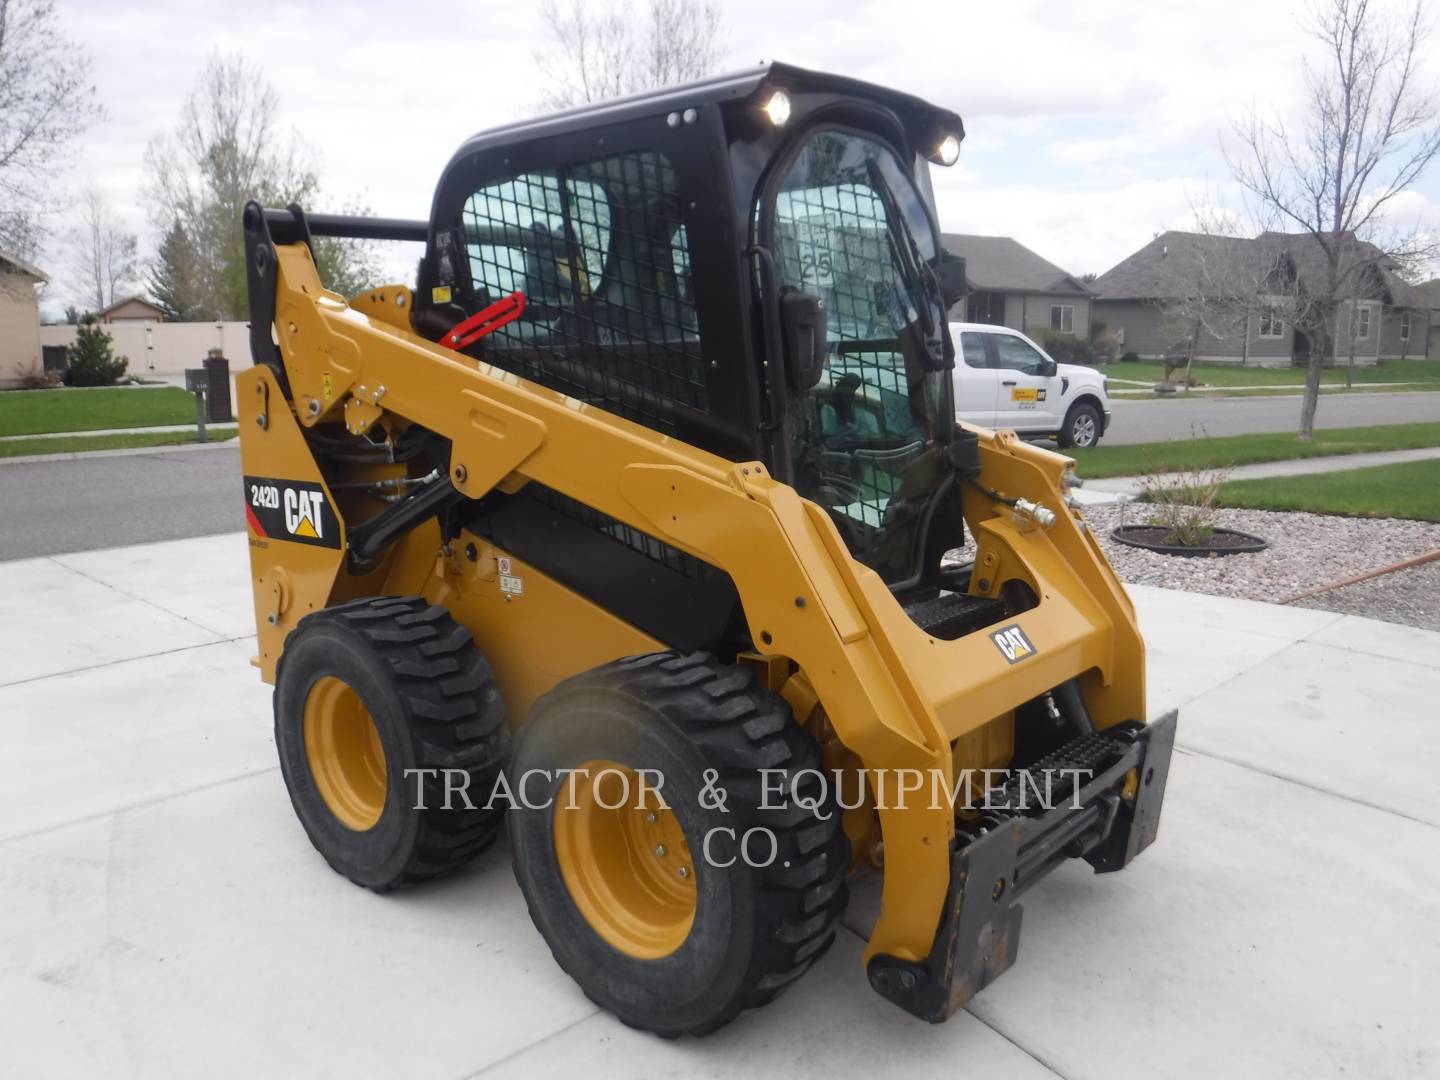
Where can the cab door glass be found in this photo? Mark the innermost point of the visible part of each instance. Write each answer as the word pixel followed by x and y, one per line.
pixel 849 226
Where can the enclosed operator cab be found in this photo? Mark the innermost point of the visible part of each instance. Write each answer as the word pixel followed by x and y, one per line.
pixel 671 249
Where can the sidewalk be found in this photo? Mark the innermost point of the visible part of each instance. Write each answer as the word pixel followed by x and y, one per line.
pixel 228 425
pixel 165 914
pixel 1124 488
pixel 1136 387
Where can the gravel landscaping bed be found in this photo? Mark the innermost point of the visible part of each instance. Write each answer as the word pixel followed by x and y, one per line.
pixel 1306 550
pixel 1411 597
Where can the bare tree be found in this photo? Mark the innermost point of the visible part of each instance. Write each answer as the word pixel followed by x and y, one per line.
pixel 1218 283
pixel 598 52
pixel 46 100
pixel 229 148
pixel 1369 131
pixel 104 257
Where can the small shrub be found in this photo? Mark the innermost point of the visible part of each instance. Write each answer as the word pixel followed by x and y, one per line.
pixel 45 380
pixel 1130 358
pixel 1067 348
pixel 92 357
pixel 1183 504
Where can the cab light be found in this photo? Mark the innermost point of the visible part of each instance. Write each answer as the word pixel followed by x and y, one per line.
pixel 777 109
pixel 948 152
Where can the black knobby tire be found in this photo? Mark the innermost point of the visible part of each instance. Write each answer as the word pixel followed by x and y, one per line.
pixel 756 930
pixel 1080 413
pixel 435 706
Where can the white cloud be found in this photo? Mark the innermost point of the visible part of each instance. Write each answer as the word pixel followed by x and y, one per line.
pixel 1085 231
pixel 1089 125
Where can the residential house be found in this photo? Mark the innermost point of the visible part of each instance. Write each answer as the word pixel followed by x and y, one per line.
pixel 20 356
pixel 1430 293
pixel 131 309
pixel 1012 286
pixel 1235 299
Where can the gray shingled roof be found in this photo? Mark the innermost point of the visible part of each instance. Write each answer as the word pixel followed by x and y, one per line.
pixel 1001 264
pixel 1155 271
pixel 1429 292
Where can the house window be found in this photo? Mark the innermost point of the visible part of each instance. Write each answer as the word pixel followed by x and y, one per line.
pixel 1062 318
pixel 1271 324
pixel 1405 326
pixel 1362 322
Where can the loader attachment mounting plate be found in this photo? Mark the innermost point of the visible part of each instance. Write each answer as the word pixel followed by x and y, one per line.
pixel 1111 818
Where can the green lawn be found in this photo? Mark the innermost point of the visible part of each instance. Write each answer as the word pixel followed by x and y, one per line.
pixel 1248 449
pixel 1391 371
pixel 1408 490
pixel 37 412
pixel 73 443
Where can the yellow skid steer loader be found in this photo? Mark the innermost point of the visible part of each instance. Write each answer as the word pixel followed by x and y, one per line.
pixel 642 526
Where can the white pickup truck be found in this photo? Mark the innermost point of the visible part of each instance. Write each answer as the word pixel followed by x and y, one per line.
pixel 1004 380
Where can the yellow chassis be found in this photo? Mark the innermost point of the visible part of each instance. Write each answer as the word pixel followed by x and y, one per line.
pixel 837 644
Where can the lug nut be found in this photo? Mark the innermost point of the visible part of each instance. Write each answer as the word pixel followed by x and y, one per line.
pixel 650 818
pixel 684 871
pixel 660 851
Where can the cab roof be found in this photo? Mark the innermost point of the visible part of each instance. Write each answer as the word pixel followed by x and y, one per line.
pixel 914 112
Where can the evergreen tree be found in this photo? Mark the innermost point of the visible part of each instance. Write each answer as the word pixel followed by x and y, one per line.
pixel 92 357
pixel 174 278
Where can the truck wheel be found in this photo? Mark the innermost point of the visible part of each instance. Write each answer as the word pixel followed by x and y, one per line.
pixel 654 901
pixel 365 694
pixel 1082 426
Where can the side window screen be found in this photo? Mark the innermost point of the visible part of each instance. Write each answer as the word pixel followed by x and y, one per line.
pixel 599 250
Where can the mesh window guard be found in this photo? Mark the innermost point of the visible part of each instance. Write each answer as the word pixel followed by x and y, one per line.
pixel 599 249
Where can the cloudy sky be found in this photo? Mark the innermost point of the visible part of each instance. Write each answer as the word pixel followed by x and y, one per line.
pixel 1091 126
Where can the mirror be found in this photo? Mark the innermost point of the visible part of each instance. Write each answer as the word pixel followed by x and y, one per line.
pixel 802 332
pixel 949 273
pixel 1048 368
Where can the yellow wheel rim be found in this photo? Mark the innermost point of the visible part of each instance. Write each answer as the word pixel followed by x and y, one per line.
pixel 342 747
pixel 625 860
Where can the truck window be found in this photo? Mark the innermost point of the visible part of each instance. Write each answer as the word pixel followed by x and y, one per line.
pixel 1013 354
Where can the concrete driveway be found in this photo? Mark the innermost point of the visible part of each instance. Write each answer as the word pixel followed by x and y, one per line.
pixel 162 913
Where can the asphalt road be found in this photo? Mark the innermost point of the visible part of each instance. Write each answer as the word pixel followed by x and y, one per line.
pixel 1154 421
pixel 48 508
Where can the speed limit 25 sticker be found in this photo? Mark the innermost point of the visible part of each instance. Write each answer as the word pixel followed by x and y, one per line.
pixel 290 510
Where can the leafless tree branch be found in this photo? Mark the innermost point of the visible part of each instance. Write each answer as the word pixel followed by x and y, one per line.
pixel 1369 131
pixel 46 101
pixel 597 51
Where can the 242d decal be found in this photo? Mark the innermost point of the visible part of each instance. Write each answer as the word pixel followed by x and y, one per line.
pixel 290 510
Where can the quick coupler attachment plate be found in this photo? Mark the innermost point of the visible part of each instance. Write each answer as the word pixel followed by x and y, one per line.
pixel 1109 818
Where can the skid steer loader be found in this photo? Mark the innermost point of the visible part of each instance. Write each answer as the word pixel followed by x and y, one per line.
pixel 643 518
